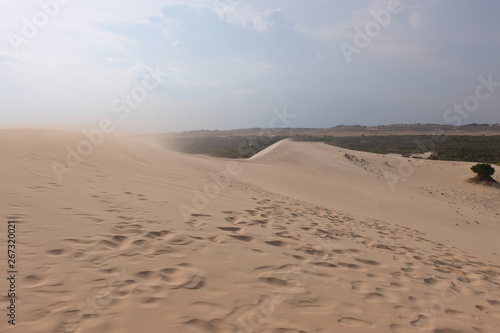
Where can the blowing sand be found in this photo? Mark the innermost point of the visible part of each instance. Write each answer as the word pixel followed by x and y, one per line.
pixel 304 237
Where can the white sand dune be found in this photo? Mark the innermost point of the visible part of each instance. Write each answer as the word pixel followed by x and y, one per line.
pixel 301 238
pixel 429 196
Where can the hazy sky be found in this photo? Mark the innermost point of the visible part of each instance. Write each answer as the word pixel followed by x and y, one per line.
pixel 234 63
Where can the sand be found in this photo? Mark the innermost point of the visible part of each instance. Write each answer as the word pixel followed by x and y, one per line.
pixel 304 237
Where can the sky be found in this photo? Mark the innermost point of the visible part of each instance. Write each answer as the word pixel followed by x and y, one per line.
pixel 176 65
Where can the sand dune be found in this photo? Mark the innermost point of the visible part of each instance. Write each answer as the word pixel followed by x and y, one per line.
pixel 430 196
pixel 303 237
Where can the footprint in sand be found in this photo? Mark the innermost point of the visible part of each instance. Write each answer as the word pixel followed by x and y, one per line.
pixel 286 286
pixel 126 218
pixel 422 322
pixel 242 238
pixel 157 234
pixel 375 298
pixel 200 215
pixel 58 252
pixel 494 303
pixel 398 286
pixel 278 243
pixel 288 234
pixel 32 281
pixel 324 264
pixel 437 283
pixel 354 267
pixel 180 277
pixel 109 244
pixel 369 262
pixel 235 220
pixel 395 328
pixel 252 212
pixel 378 277
pixel 221 240
pixel 202 249
pixel 360 287
pixel 491 312
pixel 150 302
pixel 463 316
pixel 180 240
pixel 195 282
pixel 176 278
pixel 230 229
pixel 149 278
pixel 354 322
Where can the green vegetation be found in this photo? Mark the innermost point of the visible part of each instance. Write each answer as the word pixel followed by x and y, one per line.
pixel 467 148
pixel 227 147
pixel 485 149
pixel 483 173
pixel 483 170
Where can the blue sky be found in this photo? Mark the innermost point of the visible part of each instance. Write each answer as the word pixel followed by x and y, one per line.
pixel 232 63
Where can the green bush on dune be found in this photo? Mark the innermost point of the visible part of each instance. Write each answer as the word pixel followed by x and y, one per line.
pixel 483 173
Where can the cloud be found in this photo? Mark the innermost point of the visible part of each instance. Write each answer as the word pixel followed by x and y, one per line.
pixel 264 20
pixel 248 59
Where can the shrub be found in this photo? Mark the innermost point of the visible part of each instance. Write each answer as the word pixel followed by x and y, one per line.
pixel 483 170
pixel 483 173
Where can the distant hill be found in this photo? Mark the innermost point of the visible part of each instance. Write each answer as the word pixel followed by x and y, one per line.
pixel 471 143
pixel 351 130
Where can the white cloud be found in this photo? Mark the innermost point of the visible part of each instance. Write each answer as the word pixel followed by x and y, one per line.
pixel 263 21
pixel 94 51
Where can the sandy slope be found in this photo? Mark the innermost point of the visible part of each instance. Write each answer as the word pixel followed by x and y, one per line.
pixel 430 196
pixel 301 239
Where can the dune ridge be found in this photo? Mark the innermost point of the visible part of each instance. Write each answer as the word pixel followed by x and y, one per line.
pixel 291 244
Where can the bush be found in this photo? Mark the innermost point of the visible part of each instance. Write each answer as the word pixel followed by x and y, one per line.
pixel 483 170
pixel 483 173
